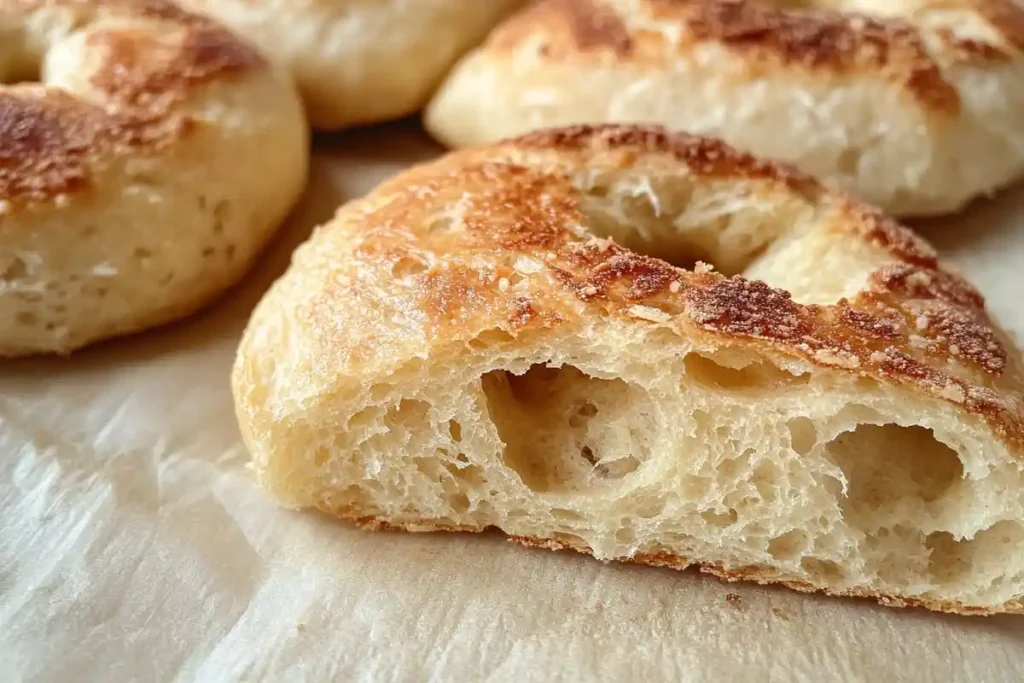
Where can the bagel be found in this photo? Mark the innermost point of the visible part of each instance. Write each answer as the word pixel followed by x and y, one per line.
pixel 480 342
pixel 914 105
pixel 140 177
pixel 362 61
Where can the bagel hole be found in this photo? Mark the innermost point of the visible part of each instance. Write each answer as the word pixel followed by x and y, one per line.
pixel 564 430
pixel 679 225
pixel 632 223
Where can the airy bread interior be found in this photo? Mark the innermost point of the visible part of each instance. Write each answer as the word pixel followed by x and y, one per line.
pixel 723 457
pixel 632 435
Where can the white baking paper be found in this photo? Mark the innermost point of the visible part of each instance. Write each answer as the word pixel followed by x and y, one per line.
pixel 135 547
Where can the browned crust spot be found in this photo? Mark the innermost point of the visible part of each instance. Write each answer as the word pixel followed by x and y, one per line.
pixel 1007 17
pixel 749 308
pixel 884 326
pixel 916 325
pixel 881 230
pixel 52 145
pixel 808 39
pixel 46 143
pixel 820 40
pixel 594 25
pixel 590 25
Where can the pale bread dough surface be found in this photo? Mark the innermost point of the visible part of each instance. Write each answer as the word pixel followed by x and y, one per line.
pixel 361 61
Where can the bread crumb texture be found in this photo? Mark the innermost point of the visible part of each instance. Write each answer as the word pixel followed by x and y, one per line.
pixel 647 347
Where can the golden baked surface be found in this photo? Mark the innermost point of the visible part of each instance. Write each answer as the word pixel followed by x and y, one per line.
pixel 825 85
pixel 911 323
pixel 119 122
pixel 53 140
pixel 498 338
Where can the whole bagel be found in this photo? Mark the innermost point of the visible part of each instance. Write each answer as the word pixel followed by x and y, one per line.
pixel 916 106
pixel 362 61
pixel 146 155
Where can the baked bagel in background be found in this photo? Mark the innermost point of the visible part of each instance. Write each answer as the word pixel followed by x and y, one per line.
pixel 146 155
pixel 916 106
pixel 465 348
pixel 362 61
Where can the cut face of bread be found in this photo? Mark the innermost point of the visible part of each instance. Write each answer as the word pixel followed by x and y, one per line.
pixel 490 340
pixel 912 105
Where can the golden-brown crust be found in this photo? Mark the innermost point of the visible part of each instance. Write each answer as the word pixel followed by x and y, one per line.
pixel 153 58
pixel 706 156
pixel 768 37
pixel 916 325
pixel 46 142
pixel 1006 17
pixel 817 40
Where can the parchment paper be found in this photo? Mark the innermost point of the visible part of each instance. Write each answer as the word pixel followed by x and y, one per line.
pixel 133 545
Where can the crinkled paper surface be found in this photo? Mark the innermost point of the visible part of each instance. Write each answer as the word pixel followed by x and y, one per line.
pixel 134 547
